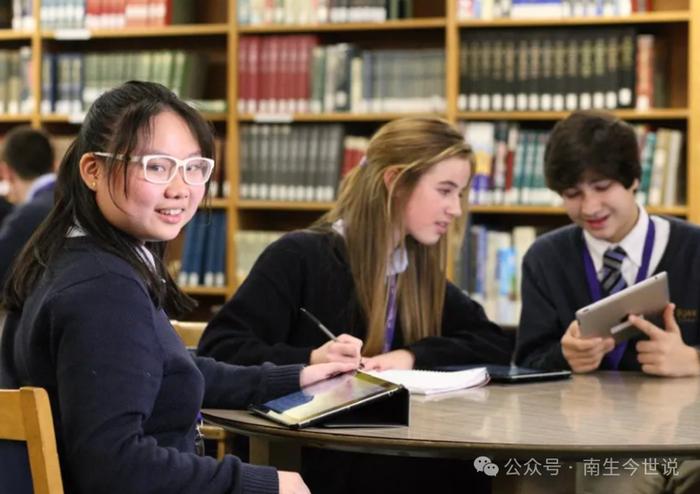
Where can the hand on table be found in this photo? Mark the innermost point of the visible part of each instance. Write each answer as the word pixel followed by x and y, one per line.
pixel 396 359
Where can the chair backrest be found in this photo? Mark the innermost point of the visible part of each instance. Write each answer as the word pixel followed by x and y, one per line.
pixel 189 332
pixel 25 415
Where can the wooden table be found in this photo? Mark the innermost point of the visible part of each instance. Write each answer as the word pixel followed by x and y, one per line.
pixel 607 414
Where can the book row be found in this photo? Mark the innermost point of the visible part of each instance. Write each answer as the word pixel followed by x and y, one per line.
pixel 488 267
pixel 72 81
pixel 256 12
pixel 510 165
pixel 544 9
pixel 108 14
pixel 663 169
pixel 286 74
pixel 15 81
pixel 203 259
pixel 295 162
pixel 561 69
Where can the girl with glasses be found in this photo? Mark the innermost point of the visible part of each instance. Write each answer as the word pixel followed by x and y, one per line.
pixel 89 304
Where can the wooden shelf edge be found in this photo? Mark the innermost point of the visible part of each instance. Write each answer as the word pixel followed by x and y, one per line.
pixel 216 203
pixel 139 32
pixel 15 35
pixel 327 117
pixel 206 290
pixel 631 114
pixel 555 210
pixel 284 205
pixel 659 17
pixel 15 118
pixel 399 24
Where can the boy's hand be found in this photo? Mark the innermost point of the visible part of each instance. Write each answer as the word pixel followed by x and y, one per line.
pixel 584 354
pixel 665 353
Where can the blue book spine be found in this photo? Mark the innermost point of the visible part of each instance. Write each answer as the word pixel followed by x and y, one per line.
pixel 210 248
pixel 220 265
pixel 198 241
pixel 186 259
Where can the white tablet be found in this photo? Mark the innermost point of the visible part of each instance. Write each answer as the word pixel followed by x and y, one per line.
pixel 608 316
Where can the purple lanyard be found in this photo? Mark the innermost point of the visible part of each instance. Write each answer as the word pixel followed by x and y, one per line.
pixel 390 315
pixel 614 357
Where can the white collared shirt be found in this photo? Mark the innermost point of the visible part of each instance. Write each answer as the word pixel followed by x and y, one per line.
pixel 633 244
pixel 398 262
pixel 38 183
pixel 145 254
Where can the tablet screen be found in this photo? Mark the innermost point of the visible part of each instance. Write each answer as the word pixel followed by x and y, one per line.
pixel 323 398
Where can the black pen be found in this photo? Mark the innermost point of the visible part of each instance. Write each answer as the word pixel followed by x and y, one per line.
pixel 318 323
pixel 323 328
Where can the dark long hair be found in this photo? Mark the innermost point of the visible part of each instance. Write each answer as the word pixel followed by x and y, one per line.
pixel 116 123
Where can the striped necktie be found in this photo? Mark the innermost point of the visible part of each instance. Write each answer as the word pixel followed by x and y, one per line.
pixel 612 280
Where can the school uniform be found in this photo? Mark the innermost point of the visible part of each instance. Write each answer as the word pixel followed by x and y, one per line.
pixel 124 391
pixel 262 322
pixel 555 285
pixel 21 222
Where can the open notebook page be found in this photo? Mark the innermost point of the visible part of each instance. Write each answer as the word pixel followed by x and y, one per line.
pixel 431 382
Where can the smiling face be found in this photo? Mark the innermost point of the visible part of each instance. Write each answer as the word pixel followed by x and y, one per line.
pixel 148 211
pixel 436 200
pixel 603 207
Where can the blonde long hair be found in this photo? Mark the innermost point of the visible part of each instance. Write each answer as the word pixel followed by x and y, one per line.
pixel 372 213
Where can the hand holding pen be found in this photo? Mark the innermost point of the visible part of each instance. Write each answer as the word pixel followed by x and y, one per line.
pixel 341 348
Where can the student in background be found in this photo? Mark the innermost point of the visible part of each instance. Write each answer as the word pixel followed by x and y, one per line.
pixel 592 161
pixel 26 164
pixel 87 310
pixel 373 271
pixel 5 208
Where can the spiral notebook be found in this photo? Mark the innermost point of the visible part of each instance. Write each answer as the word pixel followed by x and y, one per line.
pixel 425 382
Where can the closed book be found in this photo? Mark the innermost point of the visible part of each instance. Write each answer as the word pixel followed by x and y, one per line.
pixel 220 252
pixel 186 261
pixel 626 68
pixel 210 249
pixel 672 171
pixel 196 261
pixel 656 183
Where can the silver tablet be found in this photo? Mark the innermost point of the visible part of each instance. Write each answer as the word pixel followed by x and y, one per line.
pixel 608 316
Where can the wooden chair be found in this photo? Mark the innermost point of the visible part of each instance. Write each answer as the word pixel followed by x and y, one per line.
pixel 25 415
pixel 190 333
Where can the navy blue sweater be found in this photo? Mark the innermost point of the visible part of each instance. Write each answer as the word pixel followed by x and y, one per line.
pixel 554 287
pixel 124 391
pixel 262 321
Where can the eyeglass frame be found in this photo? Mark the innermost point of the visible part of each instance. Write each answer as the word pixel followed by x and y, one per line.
pixel 178 162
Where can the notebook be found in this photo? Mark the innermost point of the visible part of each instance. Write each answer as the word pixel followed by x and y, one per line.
pixel 425 382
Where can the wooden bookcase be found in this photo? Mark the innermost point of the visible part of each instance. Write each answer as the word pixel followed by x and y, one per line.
pixel 437 23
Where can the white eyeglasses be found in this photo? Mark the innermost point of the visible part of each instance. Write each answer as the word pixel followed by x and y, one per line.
pixel 161 168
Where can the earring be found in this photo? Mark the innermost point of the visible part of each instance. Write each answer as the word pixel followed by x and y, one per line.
pixel 93 185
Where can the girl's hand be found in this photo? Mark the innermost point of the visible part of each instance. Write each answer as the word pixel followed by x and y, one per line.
pixel 397 359
pixel 314 373
pixel 344 348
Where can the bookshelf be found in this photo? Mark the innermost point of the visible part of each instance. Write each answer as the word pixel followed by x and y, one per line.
pixel 434 24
